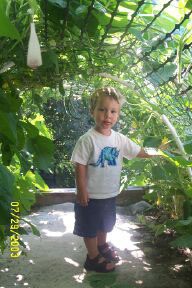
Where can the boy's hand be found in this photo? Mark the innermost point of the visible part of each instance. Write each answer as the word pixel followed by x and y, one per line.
pixel 81 182
pixel 148 152
pixel 82 198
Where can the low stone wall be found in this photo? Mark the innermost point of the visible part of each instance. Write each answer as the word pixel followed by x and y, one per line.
pixel 62 195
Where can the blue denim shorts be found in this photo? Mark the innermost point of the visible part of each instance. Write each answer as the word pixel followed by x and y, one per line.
pixel 98 215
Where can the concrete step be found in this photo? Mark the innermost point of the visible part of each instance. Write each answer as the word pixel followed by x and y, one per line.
pixel 129 196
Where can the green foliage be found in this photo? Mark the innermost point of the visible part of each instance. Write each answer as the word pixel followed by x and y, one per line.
pixel 167 177
pixel 33 227
pixel 42 149
pixel 183 230
pixel 152 141
pixel 7 28
pixel 71 120
pixel 188 4
pixel 183 241
pixel 6 193
pixel 188 147
pixel 187 208
pixel 26 147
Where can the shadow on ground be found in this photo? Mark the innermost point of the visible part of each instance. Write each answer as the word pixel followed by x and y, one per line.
pixel 56 258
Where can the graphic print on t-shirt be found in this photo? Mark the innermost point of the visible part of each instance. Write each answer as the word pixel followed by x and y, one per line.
pixel 107 157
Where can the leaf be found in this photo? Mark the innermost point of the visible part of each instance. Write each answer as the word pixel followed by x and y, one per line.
pixel 54 10
pixel 184 241
pixel 50 60
pixel 152 196
pixel 98 6
pixel 39 123
pixel 31 130
pixel 103 19
pixel 158 173
pixel 6 196
pixel 36 98
pixel 159 229
pixel 146 9
pixel 92 25
pixel 5 210
pixel 82 9
pixel 165 172
pixel 40 183
pixel 34 5
pixel 187 209
pixel 136 33
pixel 7 29
pixel 177 160
pixel 22 231
pixel 186 222
pixel 129 5
pixel 152 141
pixel 188 147
pixel 3 242
pixel 20 137
pixel 166 22
pixel 25 161
pixel 6 181
pixel 24 192
pixel 42 148
pixel 8 122
pixel 22 243
pixel 7 153
pixel 189 4
pixel 139 181
pixel 9 102
pixel 33 227
pixel 59 3
pixel 37 180
pixel 137 164
pixel 163 74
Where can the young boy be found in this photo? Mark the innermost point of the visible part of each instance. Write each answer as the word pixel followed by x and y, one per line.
pixel 98 156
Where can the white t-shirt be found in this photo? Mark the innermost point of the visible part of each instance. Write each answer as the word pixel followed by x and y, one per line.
pixel 103 156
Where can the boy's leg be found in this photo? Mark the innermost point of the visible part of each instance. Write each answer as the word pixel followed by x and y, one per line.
pixel 93 252
pixel 101 238
pixel 91 245
pixel 105 249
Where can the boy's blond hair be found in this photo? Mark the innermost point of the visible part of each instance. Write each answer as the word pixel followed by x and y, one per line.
pixel 105 92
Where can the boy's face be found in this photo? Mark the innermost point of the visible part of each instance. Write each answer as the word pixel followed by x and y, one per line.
pixel 106 114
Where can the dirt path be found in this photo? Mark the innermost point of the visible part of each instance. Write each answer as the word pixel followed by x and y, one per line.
pixel 56 259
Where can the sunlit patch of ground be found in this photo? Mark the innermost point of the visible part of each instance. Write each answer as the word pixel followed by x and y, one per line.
pixel 56 258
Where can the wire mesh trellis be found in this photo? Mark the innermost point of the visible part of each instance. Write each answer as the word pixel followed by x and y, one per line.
pixel 105 45
pixel 140 41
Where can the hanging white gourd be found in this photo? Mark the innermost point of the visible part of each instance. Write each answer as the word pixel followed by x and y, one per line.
pixel 34 58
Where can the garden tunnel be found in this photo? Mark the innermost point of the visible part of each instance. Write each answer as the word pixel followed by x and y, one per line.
pixel 141 47
pixel 145 43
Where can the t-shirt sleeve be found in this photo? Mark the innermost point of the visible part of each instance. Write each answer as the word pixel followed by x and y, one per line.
pixel 81 152
pixel 130 148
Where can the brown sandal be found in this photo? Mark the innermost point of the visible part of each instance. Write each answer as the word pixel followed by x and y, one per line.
pixel 108 253
pixel 95 265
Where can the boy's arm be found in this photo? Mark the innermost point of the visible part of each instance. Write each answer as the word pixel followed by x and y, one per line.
pixel 148 152
pixel 81 182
